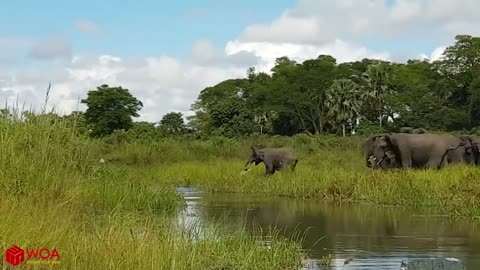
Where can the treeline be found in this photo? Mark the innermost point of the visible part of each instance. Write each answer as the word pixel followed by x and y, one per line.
pixel 318 96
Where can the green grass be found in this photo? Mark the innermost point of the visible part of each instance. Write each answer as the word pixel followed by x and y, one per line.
pixel 56 194
pixel 334 174
pixel 120 214
pixel 134 241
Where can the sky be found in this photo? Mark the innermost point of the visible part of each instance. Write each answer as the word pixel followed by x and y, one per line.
pixel 165 53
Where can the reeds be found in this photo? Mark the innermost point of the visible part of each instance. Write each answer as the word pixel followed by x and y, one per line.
pixel 57 194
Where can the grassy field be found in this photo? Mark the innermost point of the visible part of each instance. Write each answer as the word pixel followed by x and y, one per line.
pixel 120 213
pixel 329 168
pixel 56 194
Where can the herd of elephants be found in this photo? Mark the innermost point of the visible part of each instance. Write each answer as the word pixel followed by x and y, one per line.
pixel 409 148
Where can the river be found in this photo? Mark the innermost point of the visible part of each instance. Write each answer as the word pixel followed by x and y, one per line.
pixel 358 236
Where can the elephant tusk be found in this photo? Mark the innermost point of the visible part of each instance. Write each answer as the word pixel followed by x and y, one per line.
pixel 243 172
pixel 380 161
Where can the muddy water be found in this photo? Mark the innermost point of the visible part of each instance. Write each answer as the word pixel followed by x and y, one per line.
pixel 358 236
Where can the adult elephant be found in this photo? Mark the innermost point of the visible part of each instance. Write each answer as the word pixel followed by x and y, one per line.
pixel 412 130
pixel 275 159
pixel 386 162
pixel 472 149
pixel 419 131
pixel 420 150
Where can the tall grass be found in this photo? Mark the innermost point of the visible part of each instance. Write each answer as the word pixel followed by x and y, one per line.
pixel 329 168
pixel 56 194
pixel 134 241
pixel 185 149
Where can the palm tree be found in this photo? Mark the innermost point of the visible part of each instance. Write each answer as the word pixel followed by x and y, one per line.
pixel 343 101
pixel 376 81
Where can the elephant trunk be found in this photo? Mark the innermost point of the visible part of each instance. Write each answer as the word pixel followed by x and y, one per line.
pixel 248 163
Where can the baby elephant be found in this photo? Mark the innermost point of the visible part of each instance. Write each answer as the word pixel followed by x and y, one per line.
pixel 275 159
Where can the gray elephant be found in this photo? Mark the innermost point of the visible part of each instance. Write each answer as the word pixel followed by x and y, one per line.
pixel 388 162
pixel 405 130
pixel 419 131
pixel 412 130
pixel 420 150
pixel 472 149
pixel 275 159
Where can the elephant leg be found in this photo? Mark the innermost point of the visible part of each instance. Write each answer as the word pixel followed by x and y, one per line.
pixel 270 169
pixel 283 165
pixel 436 163
pixel 438 159
pixel 406 161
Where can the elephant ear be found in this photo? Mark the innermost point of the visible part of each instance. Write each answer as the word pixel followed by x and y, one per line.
pixel 368 142
pixel 390 142
pixel 257 152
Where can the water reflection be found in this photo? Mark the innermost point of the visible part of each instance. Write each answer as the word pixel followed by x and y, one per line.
pixel 359 236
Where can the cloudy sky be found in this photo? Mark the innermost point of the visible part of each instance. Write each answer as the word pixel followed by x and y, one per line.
pixel 166 53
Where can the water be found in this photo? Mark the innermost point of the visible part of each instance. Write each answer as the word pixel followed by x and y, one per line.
pixel 359 236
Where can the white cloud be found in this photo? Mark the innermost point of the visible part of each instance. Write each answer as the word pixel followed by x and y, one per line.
pixel 437 53
pixel 163 84
pixel 268 52
pixel 406 10
pixel 49 49
pixel 338 28
pixel 88 27
pixel 205 53
pixel 318 22
pixel 308 30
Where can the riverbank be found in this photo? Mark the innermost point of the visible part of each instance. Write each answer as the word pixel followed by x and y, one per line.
pixel 58 194
pixel 333 173
pixel 454 191
pixel 110 202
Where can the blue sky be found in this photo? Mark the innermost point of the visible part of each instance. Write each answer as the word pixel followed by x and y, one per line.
pixel 137 28
pixel 166 52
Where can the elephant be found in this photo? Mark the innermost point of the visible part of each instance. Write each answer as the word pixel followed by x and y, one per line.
pixel 420 150
pixel 386 163
pixel 411 130
pixel 419 131
pixel 275 159
pixel 406 129
pixel 472 149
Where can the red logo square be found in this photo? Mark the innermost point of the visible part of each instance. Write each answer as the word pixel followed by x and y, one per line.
pixel 15 255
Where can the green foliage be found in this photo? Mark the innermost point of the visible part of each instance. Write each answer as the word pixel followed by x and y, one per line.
pixel 56 193
pixel 343 101
pixel 222 110
pixel 300 97
pixel 173 124
pixel 474 102
pixel 366 128
pixel 377 84
pixel 110 108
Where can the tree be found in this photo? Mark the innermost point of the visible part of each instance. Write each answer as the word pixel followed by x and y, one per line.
pixel 173 123
pixel 145 131
pixel 321 96
pixel 461 60
pixel 474 102
pixel 223 110
pixel 110 108
pixel 460 63
pixel 300 89
pixel 343 101
pixel 377 83
pixel 231 118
